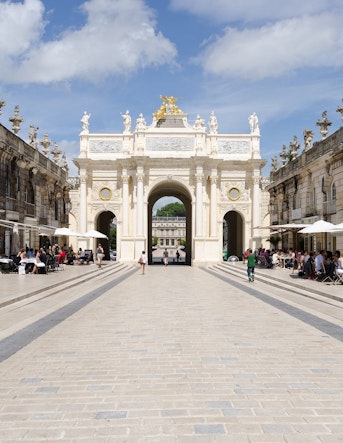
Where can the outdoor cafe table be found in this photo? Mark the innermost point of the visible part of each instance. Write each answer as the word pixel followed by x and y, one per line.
pixel 28 262
pixel 283 259
pixel 6 264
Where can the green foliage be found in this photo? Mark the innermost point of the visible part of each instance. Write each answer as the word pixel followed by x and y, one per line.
pixel 274 240
pixel 172 210
pixel 113 238
pixel 182 241
pixel 154 241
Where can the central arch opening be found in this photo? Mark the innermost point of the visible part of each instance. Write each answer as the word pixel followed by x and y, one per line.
pixel 181 243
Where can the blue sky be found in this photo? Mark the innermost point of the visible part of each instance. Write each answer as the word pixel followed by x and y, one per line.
pixel 282 60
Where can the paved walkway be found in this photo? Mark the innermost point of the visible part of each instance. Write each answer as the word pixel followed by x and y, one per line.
pixel 14 285
pixel 175 356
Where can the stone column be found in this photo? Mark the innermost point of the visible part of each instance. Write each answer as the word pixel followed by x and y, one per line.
pixel 256 202
pixel 213 203
pixel 199 205
pixel 140 202
pixel 125 208
pixel 83 203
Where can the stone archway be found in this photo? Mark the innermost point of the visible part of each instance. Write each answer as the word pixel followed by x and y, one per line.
pixel 233 234
pixel 211 173
pixel 173 189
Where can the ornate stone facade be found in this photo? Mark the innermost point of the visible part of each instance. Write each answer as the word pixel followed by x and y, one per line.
pixel 306 187
pixel 215 175
pixel 34 193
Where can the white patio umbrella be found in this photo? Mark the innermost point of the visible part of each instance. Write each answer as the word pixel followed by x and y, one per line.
pixel 66 231
pixel 95 234
pixel 317 227
pixel 289 226
pixel 337 228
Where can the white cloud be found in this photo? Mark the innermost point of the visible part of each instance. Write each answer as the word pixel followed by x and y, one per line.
pixel 20 27
pixel 276 49
pixel 224 11
pixel 118 38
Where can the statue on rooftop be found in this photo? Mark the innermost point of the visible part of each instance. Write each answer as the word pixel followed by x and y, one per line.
pixel 199 123
pixel 140 123
pixel 275 164
pixel 33 136
pixel 213 123
pixel 253 123
pixel 126 121
pixel 2 104
pixel 308 136
pixel 85 122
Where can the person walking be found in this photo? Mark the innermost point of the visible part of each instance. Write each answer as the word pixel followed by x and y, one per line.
pixel 251 265
pixel 165 257
pixel 100 255
pixel 143 259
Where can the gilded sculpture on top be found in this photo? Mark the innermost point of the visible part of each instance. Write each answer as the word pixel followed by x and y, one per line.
pixel 168 107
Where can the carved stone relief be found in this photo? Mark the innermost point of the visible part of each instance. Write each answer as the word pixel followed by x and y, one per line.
pixel 169 144
pixel 105 146
pixel 233 146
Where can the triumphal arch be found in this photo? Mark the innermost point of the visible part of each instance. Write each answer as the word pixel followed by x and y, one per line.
pixel 216 176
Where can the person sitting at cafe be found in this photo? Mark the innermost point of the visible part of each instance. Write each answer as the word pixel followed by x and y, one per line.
pixel 61 257
pixel 319 262
pixel 303 257
pixel 81 258
pixel 296 261
pixel 291 258
pixel 275 258
pixel 38 262
pixel 22 254
pixel 70 256
pixel 309 266
pixel 329 264
pixel 339 265
pixel 30 253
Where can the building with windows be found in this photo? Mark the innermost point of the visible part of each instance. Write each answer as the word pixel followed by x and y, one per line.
pixel 34 192
pixel 170 232
pixel 305 187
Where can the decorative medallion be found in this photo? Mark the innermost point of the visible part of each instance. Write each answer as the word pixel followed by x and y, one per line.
pixel 105 193
pixel 233 193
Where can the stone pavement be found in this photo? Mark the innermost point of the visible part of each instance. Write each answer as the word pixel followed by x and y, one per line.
pixel 175 356
pixel 288 278
pixel 14 286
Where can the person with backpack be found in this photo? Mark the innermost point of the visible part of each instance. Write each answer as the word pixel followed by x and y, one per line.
pixel 99 255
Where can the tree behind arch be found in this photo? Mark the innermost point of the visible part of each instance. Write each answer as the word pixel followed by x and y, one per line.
pixel 172 210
